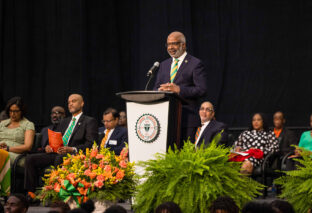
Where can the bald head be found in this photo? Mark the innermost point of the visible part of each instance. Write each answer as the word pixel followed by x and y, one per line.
pixel 75 104
pixel 206 111
pixel 176 44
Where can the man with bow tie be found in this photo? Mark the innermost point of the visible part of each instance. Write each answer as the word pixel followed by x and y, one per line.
pixel 78 133
pixel 185 75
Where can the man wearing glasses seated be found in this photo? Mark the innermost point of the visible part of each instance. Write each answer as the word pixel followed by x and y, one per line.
pixel 209 126
pixel 114 136
pixel 57 114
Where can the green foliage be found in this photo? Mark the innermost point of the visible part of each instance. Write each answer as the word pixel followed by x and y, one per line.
pixel 297 184
pixel 193 179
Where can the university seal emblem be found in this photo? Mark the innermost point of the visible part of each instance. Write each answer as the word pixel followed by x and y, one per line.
pixel 147 128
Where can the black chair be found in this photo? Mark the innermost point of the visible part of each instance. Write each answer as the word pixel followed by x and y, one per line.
pixel 268 171
pixel 17 172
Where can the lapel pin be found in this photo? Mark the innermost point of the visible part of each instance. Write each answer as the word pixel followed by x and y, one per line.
pixel 79 124
pixel 186 61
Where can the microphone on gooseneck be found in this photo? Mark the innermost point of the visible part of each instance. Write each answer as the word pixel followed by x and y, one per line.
pixel 153 69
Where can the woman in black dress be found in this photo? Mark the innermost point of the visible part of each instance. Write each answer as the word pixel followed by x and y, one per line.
pixel 257 137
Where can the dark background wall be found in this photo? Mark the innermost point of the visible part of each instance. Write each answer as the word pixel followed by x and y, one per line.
pixel 258 53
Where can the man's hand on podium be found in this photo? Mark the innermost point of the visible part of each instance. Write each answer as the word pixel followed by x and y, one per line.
pixel 169 87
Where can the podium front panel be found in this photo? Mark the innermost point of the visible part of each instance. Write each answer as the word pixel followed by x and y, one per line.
pixel 147 129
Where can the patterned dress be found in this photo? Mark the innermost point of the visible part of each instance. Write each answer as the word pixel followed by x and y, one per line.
pixel 264 140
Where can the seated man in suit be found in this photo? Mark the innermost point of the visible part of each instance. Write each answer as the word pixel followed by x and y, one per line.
pixel 114 136
pixel 79 132
pixel 57 114
pixel 185 75
pixel 285 136
pixel 210 127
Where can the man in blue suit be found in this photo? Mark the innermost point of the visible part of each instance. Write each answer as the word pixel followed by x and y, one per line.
pixel 114 136
pixel 185 75
pixel 209 126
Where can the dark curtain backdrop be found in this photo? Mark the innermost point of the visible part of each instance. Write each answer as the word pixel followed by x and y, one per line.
pixel 258 53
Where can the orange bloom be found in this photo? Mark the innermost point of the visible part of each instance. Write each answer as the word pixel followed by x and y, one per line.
pixel 82 191
pixel 94 166
pixel 66 162
pixel 120 174
pixel 87 172
pixel 123 164
pixel 107 168
pixel 93 153
pixel 86 184
pixel 92 175
pixel 100 178
pixel 57 187
pixel 71 178
pixel 99 184
pixel 116 170
pixel 99 156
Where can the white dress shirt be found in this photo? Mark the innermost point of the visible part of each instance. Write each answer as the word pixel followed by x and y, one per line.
pixel 181 58
pixel 77 118
pixel 204 125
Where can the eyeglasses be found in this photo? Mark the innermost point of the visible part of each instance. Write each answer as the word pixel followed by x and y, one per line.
pixel 105 121
pixel 173 43
pixel 56 113
pixel 14 111
pixel 206 109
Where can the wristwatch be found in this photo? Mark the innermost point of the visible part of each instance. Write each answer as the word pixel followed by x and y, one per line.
pixel 75 150
pixel 7 148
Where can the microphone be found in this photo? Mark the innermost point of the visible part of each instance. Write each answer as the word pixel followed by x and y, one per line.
pixel 153 69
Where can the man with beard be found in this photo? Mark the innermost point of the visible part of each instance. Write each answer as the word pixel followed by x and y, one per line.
pixel 79 132
pixel 185 75
pixel 57 114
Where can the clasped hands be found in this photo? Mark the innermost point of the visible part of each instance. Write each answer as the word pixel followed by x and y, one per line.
pixel 61 150
pixel 169 87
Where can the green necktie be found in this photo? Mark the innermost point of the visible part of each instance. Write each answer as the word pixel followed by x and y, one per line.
pixel 68 132
pixel 174 70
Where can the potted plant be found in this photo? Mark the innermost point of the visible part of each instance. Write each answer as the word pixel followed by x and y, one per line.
pixel 193 179
pixel 297 184
pixel 96 174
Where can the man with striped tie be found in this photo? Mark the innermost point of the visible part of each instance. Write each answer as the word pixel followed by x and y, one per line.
pixel 185 75
pixel 209 126
pixel 79 132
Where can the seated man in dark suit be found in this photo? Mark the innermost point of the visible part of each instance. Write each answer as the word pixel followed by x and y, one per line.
pixel 285 136
pixel 79 132
pixel 57 114
pixel 185 75
pixel 114 136
pixel 210 127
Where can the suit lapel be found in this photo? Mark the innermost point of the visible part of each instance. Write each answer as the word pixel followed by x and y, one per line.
pixel 206 131
pixel 181 68
pixel 168 67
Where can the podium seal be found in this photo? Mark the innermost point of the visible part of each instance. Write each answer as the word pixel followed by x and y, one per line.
pixel 147 128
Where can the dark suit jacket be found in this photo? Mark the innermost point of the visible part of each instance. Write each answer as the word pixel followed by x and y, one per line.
pixel 120 135
pixel 286 139
pixel 192 80
pixel 84 133
pixel 213 128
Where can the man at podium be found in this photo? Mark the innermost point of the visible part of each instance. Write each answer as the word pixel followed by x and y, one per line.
pixel 185 75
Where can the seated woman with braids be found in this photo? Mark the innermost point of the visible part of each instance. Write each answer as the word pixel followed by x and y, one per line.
pixel 258 141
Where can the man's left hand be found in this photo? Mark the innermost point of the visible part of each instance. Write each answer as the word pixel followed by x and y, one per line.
pixel 65 149
pixel 169 87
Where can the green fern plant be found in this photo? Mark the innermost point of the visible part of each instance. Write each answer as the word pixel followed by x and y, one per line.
pixel 297 184
pixel 193 179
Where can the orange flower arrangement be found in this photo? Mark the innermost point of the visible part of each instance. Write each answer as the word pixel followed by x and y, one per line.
pixel 97 173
